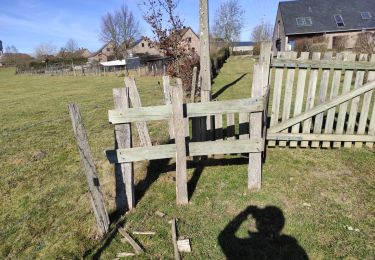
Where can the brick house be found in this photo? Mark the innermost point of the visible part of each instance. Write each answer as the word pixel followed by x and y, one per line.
pixel 338 21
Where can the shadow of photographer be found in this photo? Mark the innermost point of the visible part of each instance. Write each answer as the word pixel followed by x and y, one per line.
pixel 266 243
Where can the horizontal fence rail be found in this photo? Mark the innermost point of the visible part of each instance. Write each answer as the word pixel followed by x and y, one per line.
pixel 322 64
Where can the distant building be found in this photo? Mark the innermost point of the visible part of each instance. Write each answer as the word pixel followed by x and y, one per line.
pixel 243 46
pixel 143 46
pixel 335 20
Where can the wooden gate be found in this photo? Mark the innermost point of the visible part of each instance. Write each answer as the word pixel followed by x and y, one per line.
pixel 324 102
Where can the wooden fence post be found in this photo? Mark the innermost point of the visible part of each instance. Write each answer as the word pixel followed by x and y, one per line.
pixel 97 200
pixel 135 100
pixel 193 85
pixel 168 101
pixel 124 172
pixel 260 83
pixel 179 131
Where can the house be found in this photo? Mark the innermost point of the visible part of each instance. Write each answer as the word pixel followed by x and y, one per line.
pixel 246 47
pixel 105 53
pixel 334 21
pixel 191 39
pixel 143 46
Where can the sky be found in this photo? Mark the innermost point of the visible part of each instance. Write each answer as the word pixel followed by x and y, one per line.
pixel 28 23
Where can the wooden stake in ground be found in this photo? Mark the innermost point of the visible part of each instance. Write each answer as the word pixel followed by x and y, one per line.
pixel 97 200
pixel 174 240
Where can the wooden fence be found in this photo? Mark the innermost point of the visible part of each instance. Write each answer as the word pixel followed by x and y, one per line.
pixel 322 102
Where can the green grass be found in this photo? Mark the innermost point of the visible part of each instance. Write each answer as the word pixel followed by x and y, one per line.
pixel 46 212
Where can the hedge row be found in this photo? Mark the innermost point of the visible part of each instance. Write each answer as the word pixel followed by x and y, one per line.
pixel 218 59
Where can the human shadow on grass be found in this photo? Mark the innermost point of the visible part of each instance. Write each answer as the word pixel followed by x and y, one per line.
pixel 223 89
pixel 266 243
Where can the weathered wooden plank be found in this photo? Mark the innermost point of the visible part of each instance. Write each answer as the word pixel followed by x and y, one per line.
pixel 355 104
pixel 138 250
pixel 365 107
pixel 96 196
pixel 192 109
pixel 174 239
pixel 168 101
pixel 371 127
pixel 345 65
pixel 322 97
pixel 124 173
pixel 195 149
pixel 219 127
pixel 320 137
pixel 275 109
pixel 301 82
pixel 328 128
pixel 205 61
pixel 230 130
pixel 144 136
pixel 193 85
pixel 180 133
pixel 341 117
pixel 322 107
pixel 288 94
pixel 310 97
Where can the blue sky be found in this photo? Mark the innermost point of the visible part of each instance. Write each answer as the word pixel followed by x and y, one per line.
pixel 27 23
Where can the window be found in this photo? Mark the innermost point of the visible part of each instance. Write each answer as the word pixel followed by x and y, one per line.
pixel 366 15
pixel 339 20
pixel 149 45
pixel 304 21
pixel 189 39
pixel 143 45
pixel 108 49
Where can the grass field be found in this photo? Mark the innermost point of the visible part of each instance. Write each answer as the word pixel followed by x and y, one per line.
pixel 313 197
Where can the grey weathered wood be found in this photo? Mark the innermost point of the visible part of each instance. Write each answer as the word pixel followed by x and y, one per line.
pixel 328 128
pixel 281 63
pixel 205 61
pixel 144 136
pixel 138 250
pixel 96 196
pixel 365 110
pixel 371 127
pixel 288 94
pixel 218 127
pixel 124 173
pixel 341 117
pixel 174 239
pixel 320 137
pixel 180 133
pixel 193 85
pixel 355 103
pixel 184 245
pixel 168 101
pixel 322 97
pixel 310 100
pixel 300 91
pixel 275 109
pixel 323 107
pixel 135 154
pixel 192 110
pixel 230 131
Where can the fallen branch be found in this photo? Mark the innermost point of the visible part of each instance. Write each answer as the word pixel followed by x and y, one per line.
pixel 138 250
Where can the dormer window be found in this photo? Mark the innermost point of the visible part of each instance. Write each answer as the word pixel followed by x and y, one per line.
pixel 339 20
pixel 366 15
pixel 304 21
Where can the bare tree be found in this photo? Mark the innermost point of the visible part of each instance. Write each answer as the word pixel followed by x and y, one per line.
pixel 365 42
pixel 44 50
pixel 262 32
pixel 228 21
pixel 11 55
pixel 71 46
pixel 120 29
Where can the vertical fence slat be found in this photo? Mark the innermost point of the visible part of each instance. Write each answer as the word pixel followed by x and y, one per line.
pixel 193 85
pixel 230 130
pixel 275 109
pixel 168 101
pixel 288 94
pixel 124 172
pixel 310 100
pixel 301 82
pixel 243 120
pixel 355 103
pixel 96 196
pixel 144 136
pixel 219 127
pixel 179 131
pixel 371 127
pixel 341 118
pixel 366 106
pixel 322 98
pixel 328 128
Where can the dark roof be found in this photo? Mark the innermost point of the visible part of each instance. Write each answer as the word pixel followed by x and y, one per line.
pixel 322 15
pixel 243 44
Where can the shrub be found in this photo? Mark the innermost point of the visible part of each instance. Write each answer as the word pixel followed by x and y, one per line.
pixel 365 43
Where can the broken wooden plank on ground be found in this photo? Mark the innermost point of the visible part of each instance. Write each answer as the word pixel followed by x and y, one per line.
pixel 184 245
pixel 137 248
pixel 151 233
pixel 174 240
pixel 124 254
